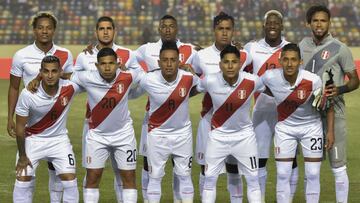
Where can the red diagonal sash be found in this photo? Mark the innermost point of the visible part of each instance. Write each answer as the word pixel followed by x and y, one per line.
pixel 299 96
pixel 184 53
pixel 206 104
pixel 123 55
pixel 114 95
pixel 271 63
pixel 55 112
pixel 236 99
pixel 63 56
pixel 167 109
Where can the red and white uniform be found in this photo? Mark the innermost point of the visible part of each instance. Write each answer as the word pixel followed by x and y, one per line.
pixel 264 57
pixel 110 125
pixel 149 54
pixel 209 59
pixel 45 131
pixel 297 119
pixel 232 132
pixel 26 62
pixel 169 126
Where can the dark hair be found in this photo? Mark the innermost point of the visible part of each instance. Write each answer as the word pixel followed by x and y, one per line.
pixel 50 59
pixel 167 16
pixel 169 45
pixel 314 9
pixel 222 16
pixel 291 47
pixel 105 19
pixel 40 15
pixel 106 52
pixel 230 49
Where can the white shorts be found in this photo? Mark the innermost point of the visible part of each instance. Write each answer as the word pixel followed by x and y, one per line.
pixel 143 138
pixel 203 131
pixel 242 146
pixel 310 137
pixel 99 148
pixel 57 150
pixel 264 126
pixel 160 148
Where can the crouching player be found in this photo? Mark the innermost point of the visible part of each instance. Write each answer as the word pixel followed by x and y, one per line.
pixel 232 131
pixel 298 122
pixel 41 132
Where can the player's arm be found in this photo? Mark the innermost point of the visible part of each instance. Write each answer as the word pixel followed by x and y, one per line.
pixel 23 161
pixel 351 85
pixel 330 136
pixel 13 94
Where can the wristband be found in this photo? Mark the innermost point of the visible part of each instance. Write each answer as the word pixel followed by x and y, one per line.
pixel 343 89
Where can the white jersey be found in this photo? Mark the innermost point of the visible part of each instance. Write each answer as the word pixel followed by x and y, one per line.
pixel 149 54
pixel 47 114
pixel 231 103
pixel 86 62
pixel 27 61
pixel 264 57
pixel 108 102
pixel 169 102
pixel 294 103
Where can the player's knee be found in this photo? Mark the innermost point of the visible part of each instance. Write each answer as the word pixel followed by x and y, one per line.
pixel 186 185
pixel 283 170
pixel 128 178
pixel 262 162
pixel 252 182
pixel 210 182
pixel 67 176
pixel 93 177
pixel 312 170
pixel 232 168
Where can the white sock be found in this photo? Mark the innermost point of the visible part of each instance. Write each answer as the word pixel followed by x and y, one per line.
pixel 209 193
pixel 55 187
pixel 312 173
pixel 91 195
pixel 176 188
pixel 283 170
pixel 129 195
pixel 341 184
pixel 262 181
pixel 201 184
pixel 118 187
pixel 234 186
pixel 253 189
pixel 186 188
pixel 71 192
pixel 154 189
pixel 22 192
pixel 144 183
pixel 293 182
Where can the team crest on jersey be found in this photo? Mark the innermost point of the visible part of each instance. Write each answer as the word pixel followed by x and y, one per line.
pixel 120 88
pixel 301 94
pixel 182 91
pixel 325 54
pixel 242 94
pixel 64 101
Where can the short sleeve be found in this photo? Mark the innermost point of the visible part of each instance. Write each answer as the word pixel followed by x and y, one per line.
pixel 79 77
pixel 140 53
pixel 196 80
pixel 202 86
pixel 137 74
pixel 259 85
pixel 346 60
pixel 69 64
pixel 317 83
pixel 79 63
pixel 133 62
pixel 143 81
pixel 23 104
pixel 17 66
pixel 195 62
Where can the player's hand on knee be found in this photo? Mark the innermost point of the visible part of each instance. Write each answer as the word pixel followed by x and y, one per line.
pixel 89 48
pixel 22 164
pixel 11 128
pixel 330 139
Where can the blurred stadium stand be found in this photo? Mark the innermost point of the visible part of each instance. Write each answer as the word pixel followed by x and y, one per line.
pixel 137 20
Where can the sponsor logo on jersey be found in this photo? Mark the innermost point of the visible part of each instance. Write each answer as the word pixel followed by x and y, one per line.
pixel 301 94
pixel 242 94
pixel 120 88
pixel 325 54
pixel 64 101
pixel 182 92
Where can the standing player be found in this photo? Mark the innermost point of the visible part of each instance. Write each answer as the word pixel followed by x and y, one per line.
pixel 298 121
pixel 231 133
pixel 169 127
pixel 105 33
pixel 325 55
pixel 25 67
pixel 265 55
pixel 149 54
pixel 209 58
pixel 41 132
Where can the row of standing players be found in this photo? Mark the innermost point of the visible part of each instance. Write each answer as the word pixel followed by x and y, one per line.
pixel 323 52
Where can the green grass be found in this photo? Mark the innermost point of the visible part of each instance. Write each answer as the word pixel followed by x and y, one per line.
pixel 8 152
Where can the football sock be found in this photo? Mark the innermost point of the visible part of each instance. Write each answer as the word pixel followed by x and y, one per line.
pixel 91 195
pixel 118 187
pixel 234 186
pixel 262 182
pixel 176 188
pixel 283 170
pixel 22 192
pixel 154 190
pixel 129 196
pixel 71 192
pixel 312 173
pixel 209 193
pixel 201 183
pixel 186 188
pixel 341 184
pixel 144 183
pixel 293 182
pixel 253 189
pixel 55 187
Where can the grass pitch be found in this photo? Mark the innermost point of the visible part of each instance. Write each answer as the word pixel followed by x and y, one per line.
pixel 75 121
